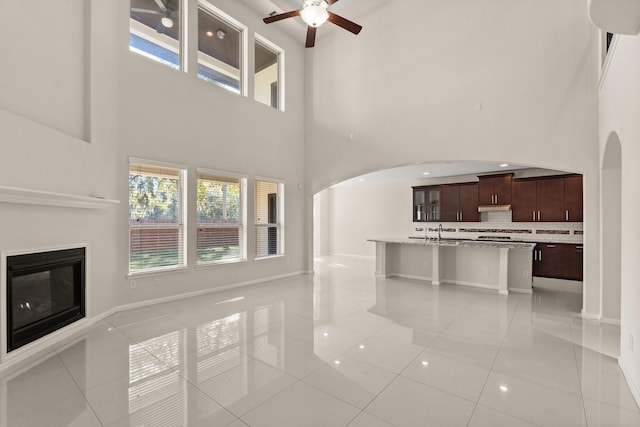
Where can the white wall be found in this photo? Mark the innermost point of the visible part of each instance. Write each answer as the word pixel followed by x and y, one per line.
pixel 619 112
pixel 411 93
pixel 58 130
pixel 362 212
pixel 172 116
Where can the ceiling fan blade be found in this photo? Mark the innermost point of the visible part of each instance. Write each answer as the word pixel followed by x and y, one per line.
pixel 161 5
pixel 344 23
pixel 281 16
pixel 311 36
pixel 153 12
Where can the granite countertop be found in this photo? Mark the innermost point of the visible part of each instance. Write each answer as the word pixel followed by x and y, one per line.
pixel 456 242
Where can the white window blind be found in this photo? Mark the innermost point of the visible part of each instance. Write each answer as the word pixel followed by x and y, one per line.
pixel 221 215
pixel 268 218
pixel 156 218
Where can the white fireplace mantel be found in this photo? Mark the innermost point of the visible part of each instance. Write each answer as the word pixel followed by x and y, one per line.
pixel 37 197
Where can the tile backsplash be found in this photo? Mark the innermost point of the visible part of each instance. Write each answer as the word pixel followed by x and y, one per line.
pixel 499 224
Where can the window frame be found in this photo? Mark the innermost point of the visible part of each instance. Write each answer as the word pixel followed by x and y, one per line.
pixel 182 222
pixel 209 8
pixel 268 44
pixel 242 232
pixel 280 216
pixel 163 41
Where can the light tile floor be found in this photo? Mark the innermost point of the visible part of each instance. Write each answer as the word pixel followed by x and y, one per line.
pixel 335 349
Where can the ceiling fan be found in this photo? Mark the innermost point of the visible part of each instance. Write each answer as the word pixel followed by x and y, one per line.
pixel 168 15
pixel 315 13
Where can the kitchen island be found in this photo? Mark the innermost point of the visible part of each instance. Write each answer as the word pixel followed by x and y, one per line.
pixel 503 266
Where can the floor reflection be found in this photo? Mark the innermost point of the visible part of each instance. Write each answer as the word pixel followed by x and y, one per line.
pixel 338 348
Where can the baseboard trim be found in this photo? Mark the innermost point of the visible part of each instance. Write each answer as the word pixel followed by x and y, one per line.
pixel 410 277
pixel 521 291
pixel 610 321
pixel 589 316
pixel 32 350
pixel 206 291
pixel 635 391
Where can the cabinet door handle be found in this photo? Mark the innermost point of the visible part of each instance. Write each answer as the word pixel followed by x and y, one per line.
pixel 460 216
pixel 551 246
pixel 578 247
pixel 539 255
pixel 538 215
pixel 566 215
pixel 535 255
pixel 496 199
pixel 534 215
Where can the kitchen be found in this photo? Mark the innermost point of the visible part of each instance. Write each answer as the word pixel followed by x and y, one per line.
pixel 464 215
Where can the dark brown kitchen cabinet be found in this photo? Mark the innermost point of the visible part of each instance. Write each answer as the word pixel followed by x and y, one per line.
pixel 426 203
pixel 574 262
pixel 459 203
pixel 550 200
pixel 558 261
pixel 573 198
pixel 547 199
pixel 494 189
pixel 523 201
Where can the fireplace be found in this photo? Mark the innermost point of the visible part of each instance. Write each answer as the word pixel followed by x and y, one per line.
pixel 45 292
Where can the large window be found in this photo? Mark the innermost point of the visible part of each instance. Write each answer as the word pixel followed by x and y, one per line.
pixel 269 217
pixel 221 201
pixel 154 30
pixel 269 60
pixel 156 216
pixel 220 54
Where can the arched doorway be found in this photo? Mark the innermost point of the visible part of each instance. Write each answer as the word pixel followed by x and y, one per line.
pixel 611 205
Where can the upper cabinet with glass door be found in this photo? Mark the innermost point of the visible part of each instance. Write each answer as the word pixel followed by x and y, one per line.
pixel 426 203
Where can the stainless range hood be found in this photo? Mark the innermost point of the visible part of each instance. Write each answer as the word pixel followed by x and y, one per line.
pixel 494 208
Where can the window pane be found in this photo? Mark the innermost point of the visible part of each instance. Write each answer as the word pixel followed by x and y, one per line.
pixel 218 244
pixel 156 233
pixel 153 247
pixel 218 202
pixel 153 195
pixel 268 231
pixel 266 75
pixel 155 30
pixel 218 51
pixel 220 213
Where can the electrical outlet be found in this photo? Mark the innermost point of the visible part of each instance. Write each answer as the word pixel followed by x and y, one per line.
pixel 156 282
pixel 525 273
pixel 485 270
pixel 133 284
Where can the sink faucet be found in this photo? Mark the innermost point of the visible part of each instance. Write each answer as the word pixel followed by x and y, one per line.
pixel 439 232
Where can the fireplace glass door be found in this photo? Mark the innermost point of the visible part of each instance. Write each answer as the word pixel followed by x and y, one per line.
pixel 45 291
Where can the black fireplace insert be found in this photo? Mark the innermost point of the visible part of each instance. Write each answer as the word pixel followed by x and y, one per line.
pixel 45 292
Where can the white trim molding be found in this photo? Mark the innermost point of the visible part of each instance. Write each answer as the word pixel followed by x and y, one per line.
pixel 25 196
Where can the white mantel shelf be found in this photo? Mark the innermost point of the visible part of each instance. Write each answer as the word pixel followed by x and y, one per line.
pixel 45 198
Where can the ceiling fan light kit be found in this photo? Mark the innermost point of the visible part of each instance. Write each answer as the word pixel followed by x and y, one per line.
pixel 315 13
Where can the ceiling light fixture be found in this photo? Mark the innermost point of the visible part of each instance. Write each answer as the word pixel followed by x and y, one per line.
pixel 221 34
pixel 209 33
pixel 504 165
pixel 314 12
pixel 167 22
pixel 425 173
